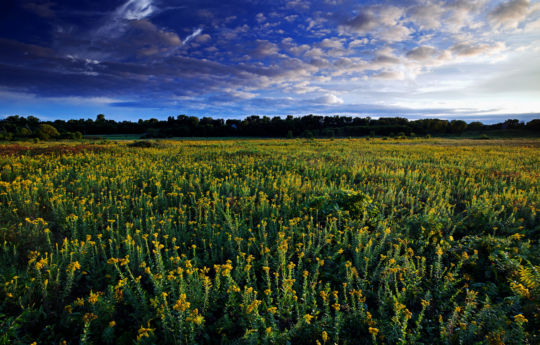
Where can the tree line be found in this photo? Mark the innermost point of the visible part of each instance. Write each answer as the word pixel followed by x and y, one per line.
pixel 18 127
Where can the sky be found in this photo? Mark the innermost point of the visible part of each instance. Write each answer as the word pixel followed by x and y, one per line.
pixel 130 59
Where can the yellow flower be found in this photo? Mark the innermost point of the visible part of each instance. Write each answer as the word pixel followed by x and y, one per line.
pixel 144 332
pixel 89 317
pixel 407 314
pixel 253 306
pixel 308 318
pixel 41 263
pixel 93 298
pixel 181 304
pixel 324 336
pixel 195 317
pixel 112 323
pixel 520 289
pixel 198 320
pixel 79 302
pixel 373 331
pixel 519 318
pixel 74 266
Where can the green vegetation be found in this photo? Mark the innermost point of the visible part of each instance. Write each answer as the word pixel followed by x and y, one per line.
pixel 271 241
pixel 310 126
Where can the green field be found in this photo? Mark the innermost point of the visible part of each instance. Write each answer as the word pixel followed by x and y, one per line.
pixel 346 241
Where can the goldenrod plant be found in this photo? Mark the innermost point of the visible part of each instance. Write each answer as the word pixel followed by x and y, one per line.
pixel 345 241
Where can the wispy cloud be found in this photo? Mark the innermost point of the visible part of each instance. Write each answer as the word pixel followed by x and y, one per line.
pixel 195 33
pixel 510 13
pixel 135 10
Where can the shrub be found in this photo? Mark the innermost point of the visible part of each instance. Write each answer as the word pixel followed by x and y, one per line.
pixel 46 132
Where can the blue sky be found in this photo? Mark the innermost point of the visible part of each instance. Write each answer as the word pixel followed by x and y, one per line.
pixel 131 59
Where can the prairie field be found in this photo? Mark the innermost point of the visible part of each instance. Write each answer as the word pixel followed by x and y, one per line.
pixel 345 241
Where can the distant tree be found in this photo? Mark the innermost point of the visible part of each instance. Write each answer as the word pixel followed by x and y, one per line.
pixel 32 121
pixel 75 135
pixel 307 134
pixel 4 135
pixel 475 126
pixel 458 126
pixel 25 132
pixel 46 132
pixel 512 124
pixel 259 126
pixel 533 125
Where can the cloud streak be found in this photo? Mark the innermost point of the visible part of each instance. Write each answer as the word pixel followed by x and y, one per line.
pixel 135 10
pixel 195 33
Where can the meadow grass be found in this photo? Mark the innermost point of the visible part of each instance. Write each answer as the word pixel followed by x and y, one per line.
pixel 347 241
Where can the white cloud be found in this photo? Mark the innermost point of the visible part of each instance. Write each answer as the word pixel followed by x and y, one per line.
pixel 509 14
pixel 533 26
pixel 331 43
pixel 390 15
pixel 329 99
pixel 265 48
pixel 260 18
pixel 395 33
pixel 421 53
pixel 362 23
pixel 358 43
pixel 195 33
pixel 300 4
pixel 135 9
pixel 203 38
pixel 118 22
pixel 389 75
pixel 292 48
pixel 314 52
pixel 383 22
pixel 230 34
pixel 427 15
pixel 471 49
pixel 291 18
